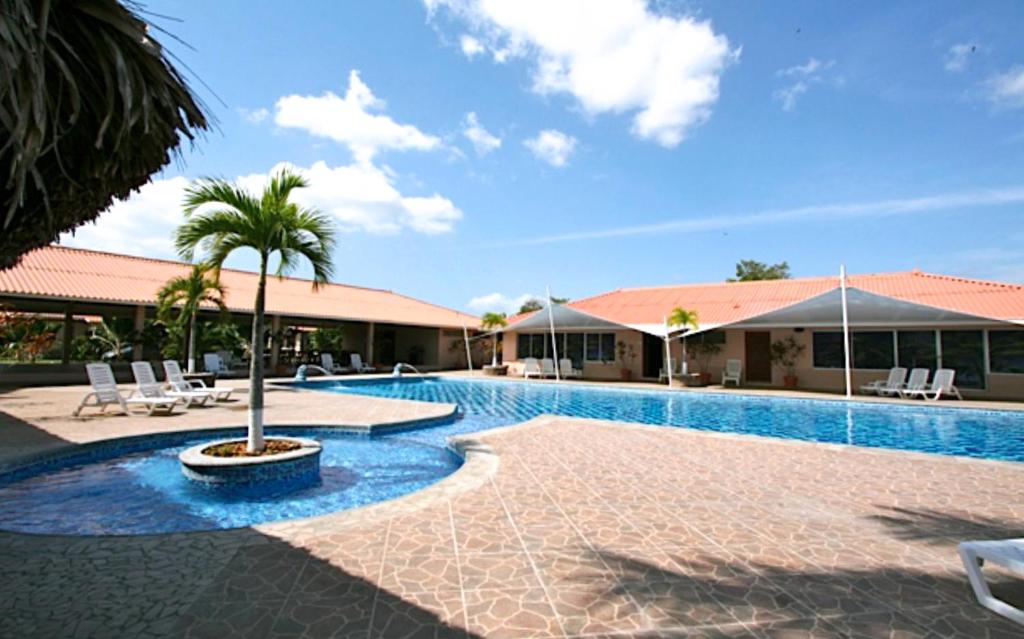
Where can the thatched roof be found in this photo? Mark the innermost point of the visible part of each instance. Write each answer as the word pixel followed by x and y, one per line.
pixel 90 108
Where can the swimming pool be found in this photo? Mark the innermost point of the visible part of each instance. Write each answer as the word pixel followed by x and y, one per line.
pixel 926 428
pixel 136 487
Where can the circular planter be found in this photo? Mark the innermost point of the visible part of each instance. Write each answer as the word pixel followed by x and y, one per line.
pixel 293 466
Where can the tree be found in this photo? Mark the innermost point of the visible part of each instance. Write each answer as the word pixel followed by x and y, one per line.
pixel 90 107
pixel 269 224
pixel 491 321
pixel 752 270
pixel 187 293
pixel 683 320
pixel 534 304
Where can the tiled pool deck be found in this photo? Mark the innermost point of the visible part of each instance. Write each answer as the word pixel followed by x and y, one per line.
pixel 557 527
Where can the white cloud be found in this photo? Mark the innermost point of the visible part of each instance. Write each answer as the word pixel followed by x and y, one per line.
pixel 551 146
pixel 803 214
pixel 141 225
pixel 253 116
pixel 352 120
pixel 613 56
pixel 483 140
pixel 809 68
pixel 360 196
pixel 471 47
pixel 1007 89
pixel 958 55
pixel 788 96
pixel 499 303
pixel 811 72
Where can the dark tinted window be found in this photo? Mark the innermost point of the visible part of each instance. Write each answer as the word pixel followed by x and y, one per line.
pixel 916 349
pixel 522 346
pixel 1006 351
pixel 608 347
pixel 963 351
pixel 872 349
pixel 828 349
pixel 593 347
pixel 574 349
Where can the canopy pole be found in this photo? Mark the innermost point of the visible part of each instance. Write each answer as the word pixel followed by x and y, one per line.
pixel 469 353
pixel 668 353
pixel 554 341
pixel 846 331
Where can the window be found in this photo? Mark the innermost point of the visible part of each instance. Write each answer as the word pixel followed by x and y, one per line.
pixel 711 337
pixel 574 349
pixel 872 349
pixel 828 349
pixel 522 346
pixel 917 349
pixel 600 347
pixel 532 345
pixel 964 352
pixel 1006 351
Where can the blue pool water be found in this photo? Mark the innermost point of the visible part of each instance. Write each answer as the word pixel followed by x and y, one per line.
pixel 137 487
pixel 114 491
pixel 988 434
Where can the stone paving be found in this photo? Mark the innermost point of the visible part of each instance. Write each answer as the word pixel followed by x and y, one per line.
pixel 564 527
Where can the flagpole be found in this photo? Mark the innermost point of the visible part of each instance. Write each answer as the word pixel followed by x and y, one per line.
pixel 846 331
pixel 469 354
pixel 668 352
pixel 554 341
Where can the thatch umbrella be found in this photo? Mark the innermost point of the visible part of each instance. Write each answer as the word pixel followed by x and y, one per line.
pixel 90 107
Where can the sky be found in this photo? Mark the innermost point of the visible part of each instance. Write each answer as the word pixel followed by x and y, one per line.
pixel 475 152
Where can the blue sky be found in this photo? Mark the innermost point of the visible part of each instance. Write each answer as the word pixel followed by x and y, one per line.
pixel 476 152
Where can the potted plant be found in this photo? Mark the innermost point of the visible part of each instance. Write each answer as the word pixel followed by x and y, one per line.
pixel 785 352
pixel 627 355
pixel 703 351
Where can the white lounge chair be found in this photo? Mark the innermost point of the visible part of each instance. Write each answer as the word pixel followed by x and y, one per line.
pixel 889 386
pixel 547 367
pixel 663 375
pixel 106 393
pixel 213 363
pixel 733 371
pixel 148 386
pixel 327 363
pixel 1008 553
pixel 176 380
pixel 942 384
pixel 358 366
pixel 531 368
pixel 567 370
pixel 917 381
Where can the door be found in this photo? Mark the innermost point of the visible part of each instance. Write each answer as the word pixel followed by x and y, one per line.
pixel 757 355
pixel 384 346
pixel 654 356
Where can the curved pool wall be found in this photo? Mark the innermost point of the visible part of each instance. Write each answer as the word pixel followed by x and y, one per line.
pixel 929 428
pixel 135 485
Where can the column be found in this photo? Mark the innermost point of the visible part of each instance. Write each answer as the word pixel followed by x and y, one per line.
pixel 275 342
pixel 69 327
pixel 369 344
pixel 140 323
pixel 440 348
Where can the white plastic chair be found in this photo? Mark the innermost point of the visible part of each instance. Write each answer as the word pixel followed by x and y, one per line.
pixel 887 387
pixel 663 375
pixel 327 363
pixel 567 370
pixel 358 366
pixel 917 381
pixel 733 371
pixel 531 368
pixel 1008 553
pixel 106 393
pixel 547 367
pixel 942 384
pixel 148 386
pixel 176 380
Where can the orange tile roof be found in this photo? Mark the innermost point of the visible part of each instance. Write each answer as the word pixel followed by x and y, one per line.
pixel 77 274
pixel 731 302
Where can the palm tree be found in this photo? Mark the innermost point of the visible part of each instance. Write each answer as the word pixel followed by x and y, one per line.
pixel 494 320
pixel 268 224
pixel 684 320
pixel 189 292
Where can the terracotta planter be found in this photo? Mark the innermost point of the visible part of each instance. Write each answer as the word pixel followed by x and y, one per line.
pixel 625 374
pixel 705 378
pixel 789 381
